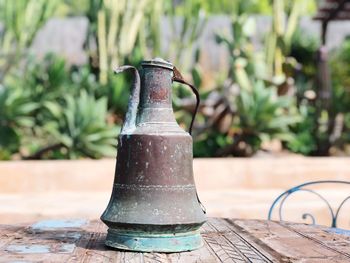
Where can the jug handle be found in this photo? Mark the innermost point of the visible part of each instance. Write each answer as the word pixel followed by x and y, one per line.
pixel 134 99
pixel 178 78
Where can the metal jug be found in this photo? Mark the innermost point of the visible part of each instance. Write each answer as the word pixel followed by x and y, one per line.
pixel 154 204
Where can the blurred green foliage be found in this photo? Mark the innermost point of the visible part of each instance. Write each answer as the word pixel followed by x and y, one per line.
pixel 340 73
pixel 251 111
pixel 79 126
pixel 20 20
pixel 303 49
pixel 50 110
pixel 57 115
pixel 278 41
pixel 341 77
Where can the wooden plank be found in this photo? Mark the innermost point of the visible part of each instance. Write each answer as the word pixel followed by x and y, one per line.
pixel 36 245
pixel 225 240
pixel 202 255
pixel 323 236
pixel 228 244
pixel 94 250
pixel 97 252
pixel 290 243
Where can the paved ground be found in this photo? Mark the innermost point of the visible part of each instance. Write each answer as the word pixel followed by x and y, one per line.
pixel 239 203
pixel 228 187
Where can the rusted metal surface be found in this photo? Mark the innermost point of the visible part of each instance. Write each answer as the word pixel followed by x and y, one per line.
pixel 225 240
pixel 154 204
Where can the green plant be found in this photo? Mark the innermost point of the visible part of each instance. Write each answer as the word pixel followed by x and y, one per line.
pixel 322 132
pixel 50 110
pixel 209 143
pixel 119 34
pixel 238 6
pixel 238 127
pixel 21 21
pixel 213 125
pixel 16 108
pixel 118 25
pixel 244 59
pixel 249 111
pixel 186 22
pixel 61 113
pixel 80 128
pixel 282 66
pixel 304 141
pixel 303 48
pixel 340 73
pixel 262 115
pixel 279 38
pixel 45 79
pixel 265 113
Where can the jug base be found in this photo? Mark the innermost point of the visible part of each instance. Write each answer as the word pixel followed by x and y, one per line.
pixel 149 242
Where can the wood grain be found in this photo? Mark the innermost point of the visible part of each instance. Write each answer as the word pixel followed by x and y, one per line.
pixel 226 240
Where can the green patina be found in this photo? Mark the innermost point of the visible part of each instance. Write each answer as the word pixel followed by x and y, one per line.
pixel 150 242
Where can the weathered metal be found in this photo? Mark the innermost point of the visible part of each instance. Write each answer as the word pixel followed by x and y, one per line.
pixel 154 204
pixel 333 211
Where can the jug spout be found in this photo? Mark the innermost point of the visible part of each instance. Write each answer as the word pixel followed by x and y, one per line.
pixel 134 99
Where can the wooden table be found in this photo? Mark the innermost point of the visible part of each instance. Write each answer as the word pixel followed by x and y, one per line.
pixel 226 240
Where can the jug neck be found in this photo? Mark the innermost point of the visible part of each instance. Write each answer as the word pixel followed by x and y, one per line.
pixel 156 88
pixel 156 96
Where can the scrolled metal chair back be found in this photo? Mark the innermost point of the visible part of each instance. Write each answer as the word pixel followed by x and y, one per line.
pixel 334 212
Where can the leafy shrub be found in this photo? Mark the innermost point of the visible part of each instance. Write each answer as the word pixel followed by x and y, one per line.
pixel 250 109
pixel 339 63
pixel 53 111
pixel 16 109
pixel 263 115
pixel 79 125
pixel 304 140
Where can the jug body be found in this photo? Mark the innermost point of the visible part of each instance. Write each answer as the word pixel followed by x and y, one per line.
pixel 154 204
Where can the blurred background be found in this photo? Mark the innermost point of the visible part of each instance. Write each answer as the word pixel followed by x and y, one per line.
pixel 271 85
pixel 254 63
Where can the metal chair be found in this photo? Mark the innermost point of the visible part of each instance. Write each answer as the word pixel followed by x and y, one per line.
pixel 334 212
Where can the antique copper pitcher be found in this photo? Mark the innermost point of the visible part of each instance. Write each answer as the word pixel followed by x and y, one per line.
pixel 154 204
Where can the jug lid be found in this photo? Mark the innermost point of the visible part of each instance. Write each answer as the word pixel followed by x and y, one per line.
pixel 157 62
